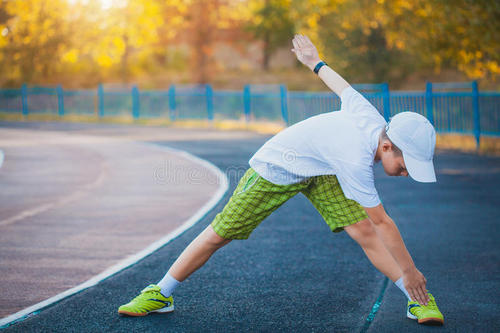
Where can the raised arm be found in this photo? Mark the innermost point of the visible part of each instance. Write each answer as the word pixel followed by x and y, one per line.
pixel 414 281
pixel 307 54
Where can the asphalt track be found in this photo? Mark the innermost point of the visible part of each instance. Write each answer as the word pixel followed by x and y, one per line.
pixel 72 206
pixel 293 274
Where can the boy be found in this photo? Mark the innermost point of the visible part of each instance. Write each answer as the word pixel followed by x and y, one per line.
pixel 329 158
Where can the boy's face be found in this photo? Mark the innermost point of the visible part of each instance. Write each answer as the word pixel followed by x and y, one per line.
pixel 393 165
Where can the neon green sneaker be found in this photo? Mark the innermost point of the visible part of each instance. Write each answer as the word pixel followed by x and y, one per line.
pixel 150 300
pixel 425 314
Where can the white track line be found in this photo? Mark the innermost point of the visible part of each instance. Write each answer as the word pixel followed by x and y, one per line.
pixel 1 157
pixel 223 187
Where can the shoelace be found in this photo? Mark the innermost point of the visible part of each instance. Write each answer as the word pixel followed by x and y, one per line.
pixel 146 292
pixel 432 304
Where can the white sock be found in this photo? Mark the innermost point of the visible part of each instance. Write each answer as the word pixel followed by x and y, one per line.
pixel 401 286
pixel 168 284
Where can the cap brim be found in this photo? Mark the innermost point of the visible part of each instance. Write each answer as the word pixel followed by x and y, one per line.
pixel 421 171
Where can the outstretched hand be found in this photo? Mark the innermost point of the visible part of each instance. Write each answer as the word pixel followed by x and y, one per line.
pixel 415 284
pixel 305 51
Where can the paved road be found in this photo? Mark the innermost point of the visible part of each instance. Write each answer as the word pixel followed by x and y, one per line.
pixel 293 274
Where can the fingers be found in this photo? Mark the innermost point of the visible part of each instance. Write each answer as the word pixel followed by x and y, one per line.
pixel 300 40
pixel 425 296
pixel 304 50
pixel 419 294
pixel 415 295
pixel 423 290
pixel 295 49
pixel 412 294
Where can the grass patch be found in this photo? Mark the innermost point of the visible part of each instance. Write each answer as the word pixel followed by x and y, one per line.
pixel 231 125
pixel 84 119
pixel 489 144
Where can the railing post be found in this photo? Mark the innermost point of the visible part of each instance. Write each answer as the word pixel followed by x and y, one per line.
pixel 428 102
pixel 171 102
pixel 475 108
pixel 100 96
pixel 210 102
pixel 284 104
pixel 246 102
pixel 135 102
pixel 60 100
pixel 24 99
pixel 386 101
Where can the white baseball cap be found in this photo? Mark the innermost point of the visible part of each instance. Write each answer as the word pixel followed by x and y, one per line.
pixel 416 137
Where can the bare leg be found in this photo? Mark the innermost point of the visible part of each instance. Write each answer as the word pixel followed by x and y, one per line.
pixel 197 253
pixel 365 235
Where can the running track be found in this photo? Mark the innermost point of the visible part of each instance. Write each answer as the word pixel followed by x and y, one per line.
pixel 293 274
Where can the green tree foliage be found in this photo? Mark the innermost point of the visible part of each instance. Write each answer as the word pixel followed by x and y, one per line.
pixel 356 44
pixel 32 38
pixel 81 43
pixel 460 33
pixel 129 36
pixel 416 34
pixel 199 24
pixel 271 23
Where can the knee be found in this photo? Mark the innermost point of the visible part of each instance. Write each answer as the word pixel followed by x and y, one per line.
pixel 362 232
pixel 214 239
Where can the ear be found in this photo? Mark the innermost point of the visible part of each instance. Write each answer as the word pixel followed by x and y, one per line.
pixel 386 146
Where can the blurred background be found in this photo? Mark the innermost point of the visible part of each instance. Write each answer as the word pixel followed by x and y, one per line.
pixel 230 43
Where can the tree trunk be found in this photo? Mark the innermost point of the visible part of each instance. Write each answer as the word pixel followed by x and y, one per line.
pixel 202 40
pixel 267 51
pixel 125 56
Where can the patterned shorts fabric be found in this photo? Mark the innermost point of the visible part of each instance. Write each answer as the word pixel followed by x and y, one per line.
pixel 256 198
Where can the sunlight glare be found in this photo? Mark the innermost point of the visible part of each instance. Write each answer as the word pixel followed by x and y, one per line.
pixel 105 4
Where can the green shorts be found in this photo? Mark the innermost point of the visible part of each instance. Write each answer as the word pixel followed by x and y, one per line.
pixel 256 198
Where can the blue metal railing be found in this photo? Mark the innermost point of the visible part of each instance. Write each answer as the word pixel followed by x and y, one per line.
pixel 456 107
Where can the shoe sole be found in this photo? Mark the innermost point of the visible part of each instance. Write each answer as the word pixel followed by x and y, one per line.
pixel 431 321
pixel 136 314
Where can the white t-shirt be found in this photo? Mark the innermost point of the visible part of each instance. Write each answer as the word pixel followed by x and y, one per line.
pixel 341 143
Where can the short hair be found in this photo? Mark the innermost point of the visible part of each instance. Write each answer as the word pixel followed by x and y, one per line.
pixel 383 136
